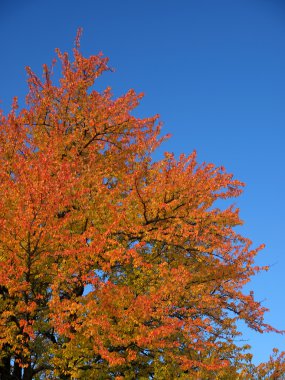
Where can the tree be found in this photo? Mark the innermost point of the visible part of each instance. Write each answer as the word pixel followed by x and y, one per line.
pixel 112 265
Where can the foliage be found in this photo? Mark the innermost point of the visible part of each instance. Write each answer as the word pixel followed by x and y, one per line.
pixel 112 265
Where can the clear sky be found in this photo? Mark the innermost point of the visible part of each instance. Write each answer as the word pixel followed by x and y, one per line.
pixel 213 70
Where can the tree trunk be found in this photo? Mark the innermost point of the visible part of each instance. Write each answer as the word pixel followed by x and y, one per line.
pixel 28 373
pixel 5 369
pixel 17 372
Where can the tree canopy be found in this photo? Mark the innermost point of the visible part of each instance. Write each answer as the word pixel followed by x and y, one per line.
pixel 113 265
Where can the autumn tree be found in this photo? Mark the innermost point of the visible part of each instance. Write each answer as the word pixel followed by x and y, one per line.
pixel 114 266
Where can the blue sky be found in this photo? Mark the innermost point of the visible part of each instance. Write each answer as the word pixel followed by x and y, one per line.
pixel 213 70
